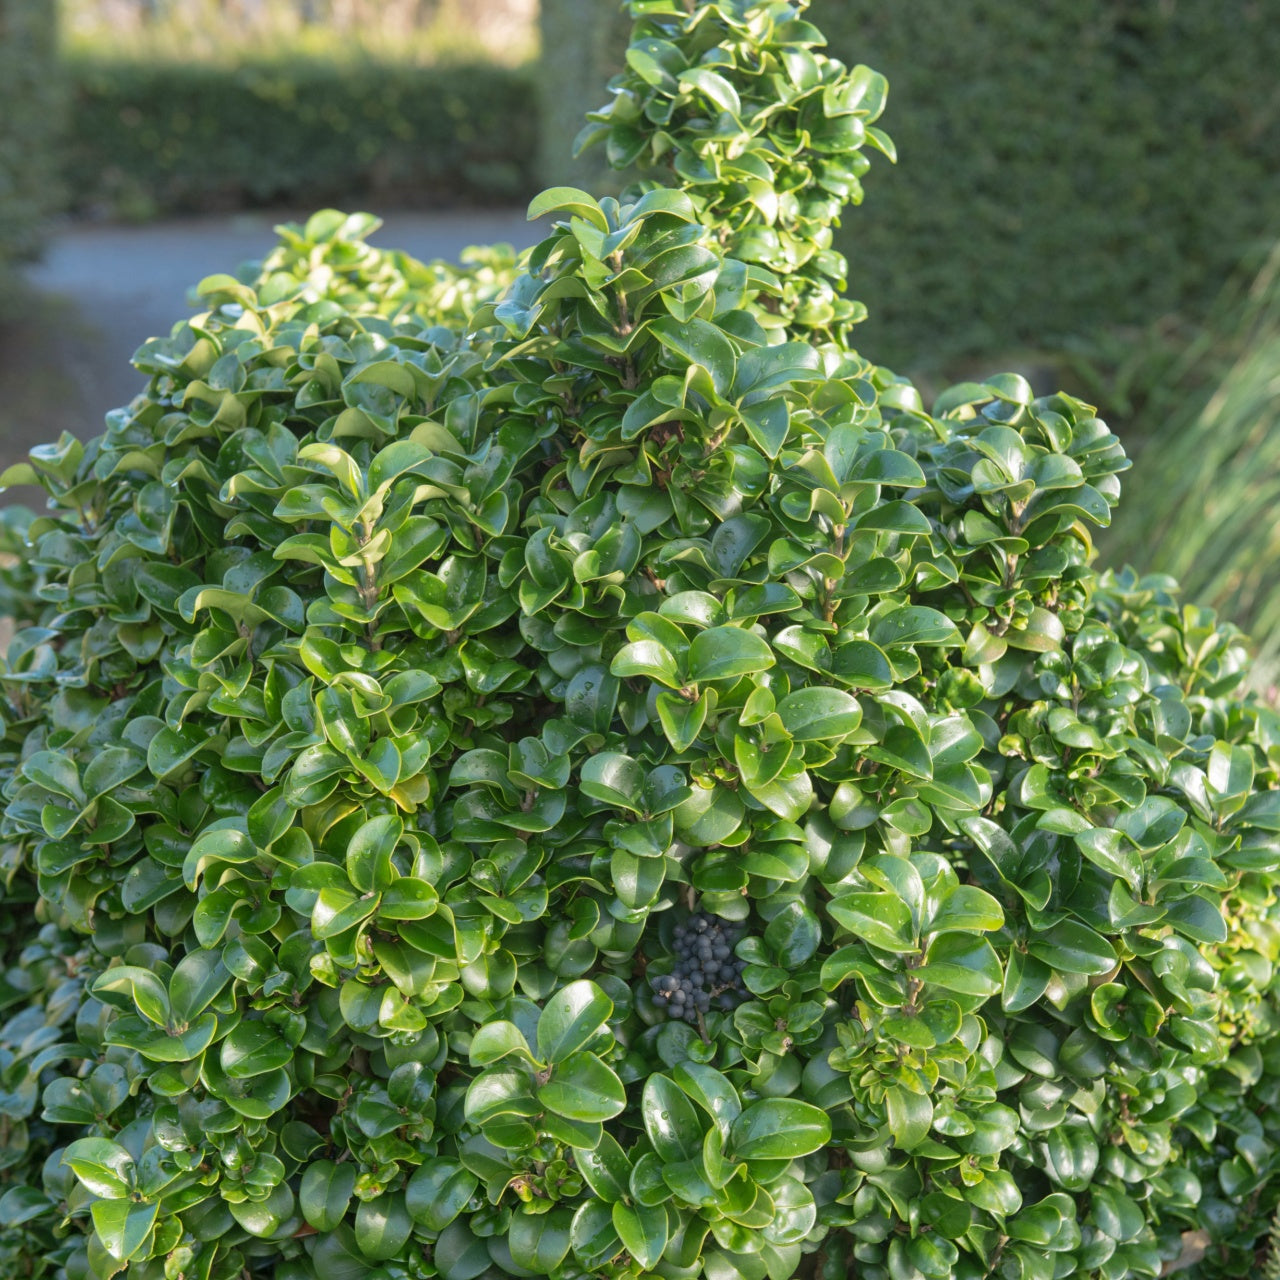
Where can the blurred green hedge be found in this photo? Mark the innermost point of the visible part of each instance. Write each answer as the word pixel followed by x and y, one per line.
pixel 154 139
pixel 1064 166
pixel 30 111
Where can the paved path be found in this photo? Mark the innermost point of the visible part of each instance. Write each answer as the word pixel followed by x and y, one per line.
pixel 103 290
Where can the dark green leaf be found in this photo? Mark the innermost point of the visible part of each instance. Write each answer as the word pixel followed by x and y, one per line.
pixel 778 1129
pixel 326 1193
pixel 581 1087
pixel 572 1018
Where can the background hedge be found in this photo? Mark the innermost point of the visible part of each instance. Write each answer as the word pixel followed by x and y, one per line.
pixel 150 139
pixel 30 107
pixel 1142 169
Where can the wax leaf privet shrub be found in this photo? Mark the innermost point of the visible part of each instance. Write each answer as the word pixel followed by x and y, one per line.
pixel 549 774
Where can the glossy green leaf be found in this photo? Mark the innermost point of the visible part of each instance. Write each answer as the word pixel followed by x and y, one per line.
pixel 814 715
pixel 910 1116
pixel 438 1191
pixel 592 1234
pixel 571 1019
pixel 122 1226
pixel 606 1169
pixel 966 909
pixel 1071 947
pixel 670 1120
pixel 882 919
pixel 495 1041
pixel 778 1129
pixel 963 964
pixel 567 200
pixel 540 1241
pixel 369 854
pixel 104 1167
pixel 253 1048
pixel 325 1193
pixel 614 779
pixel 643 1231
pixel 722 653
pixel 382 1226
pixel 582 1087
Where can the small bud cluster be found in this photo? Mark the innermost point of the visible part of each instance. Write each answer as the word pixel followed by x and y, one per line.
pixel 706 975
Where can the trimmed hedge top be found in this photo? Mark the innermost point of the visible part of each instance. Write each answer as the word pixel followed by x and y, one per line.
pixel 399 708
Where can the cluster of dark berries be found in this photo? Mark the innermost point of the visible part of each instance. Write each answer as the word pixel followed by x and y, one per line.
pixel 706 975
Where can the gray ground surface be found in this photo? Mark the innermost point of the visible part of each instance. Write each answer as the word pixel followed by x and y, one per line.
pixel 103 290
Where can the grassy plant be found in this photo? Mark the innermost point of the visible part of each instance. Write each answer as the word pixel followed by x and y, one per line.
pixel 1205 496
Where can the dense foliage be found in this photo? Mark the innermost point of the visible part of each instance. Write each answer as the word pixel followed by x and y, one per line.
pixel 1046 148
pixel 30 114
pixel 150 138
pixel 399 707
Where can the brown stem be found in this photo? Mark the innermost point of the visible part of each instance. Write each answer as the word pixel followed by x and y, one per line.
pixel 995 1258
pixel 716 440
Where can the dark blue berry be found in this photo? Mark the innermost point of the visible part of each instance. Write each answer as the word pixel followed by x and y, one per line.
pixel 705 974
